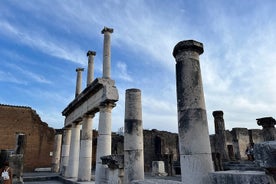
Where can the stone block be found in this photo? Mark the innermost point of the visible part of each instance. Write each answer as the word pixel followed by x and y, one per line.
pixel 240 177
pixel 265 154
pixel 158 168
pixel 155 181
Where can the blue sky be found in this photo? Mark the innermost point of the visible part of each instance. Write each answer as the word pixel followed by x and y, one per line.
pixel 43 42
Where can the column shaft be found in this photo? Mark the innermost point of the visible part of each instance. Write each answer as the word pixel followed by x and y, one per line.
pixel 56 153
pixel 79 81
pixel 73 165
pixel 86 149
pixel 90 70
pixel 133 137
pixel 65 150
pixel 104 141
pixel 194 143
pixel 106 52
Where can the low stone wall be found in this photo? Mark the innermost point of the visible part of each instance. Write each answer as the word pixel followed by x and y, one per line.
pixel 153 181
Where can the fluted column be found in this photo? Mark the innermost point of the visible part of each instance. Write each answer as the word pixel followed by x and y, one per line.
pixel 194 143
pixel 104 140
pixel 73 164
pixel 79 81
pixel 107 52
pixel 133 137
pixel 90 70
pixel 86 149
pixel 56 153
pixel 65 150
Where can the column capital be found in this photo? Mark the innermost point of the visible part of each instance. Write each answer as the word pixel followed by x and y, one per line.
pixel 107 29
pixel 89 53
pixel 188 45
pixel 266 122
pixel 217 114
pixel 79 69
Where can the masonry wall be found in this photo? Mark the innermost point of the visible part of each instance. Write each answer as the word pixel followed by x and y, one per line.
pixel 39 137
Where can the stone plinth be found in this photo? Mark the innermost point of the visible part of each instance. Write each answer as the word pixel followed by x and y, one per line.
pixel 265 155
pixel 158 168
pixel 115 165
pixel 240 177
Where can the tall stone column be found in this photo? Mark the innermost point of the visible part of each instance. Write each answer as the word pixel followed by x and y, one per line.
pixel 194 143
pixel 90 71
pixel 104 141
pixel 86 149
pixel 65 150
pixel 106 52
pixel 269 131
pixel 56 152
pixel 220 143
pixel 79 81
pixel 133 137
pixel 73 164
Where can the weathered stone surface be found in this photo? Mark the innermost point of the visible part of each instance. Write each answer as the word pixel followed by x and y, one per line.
pixel 155 181
pixel 158 168
pixel 113 161
pixel 265 154
pixel 240 177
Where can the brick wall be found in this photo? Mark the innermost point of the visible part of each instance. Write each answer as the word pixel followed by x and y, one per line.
pixel 40 137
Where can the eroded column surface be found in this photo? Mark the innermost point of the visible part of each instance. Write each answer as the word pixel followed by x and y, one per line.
pixel 65 150
pixel 84 173
pixel 73 164
pixel 269 131
pixel 103 141
pixel 79 81
pixel 107 52
pixel 133 137
pixel 194 143
pixel 220 144
pixel 56 152
pixel 90 70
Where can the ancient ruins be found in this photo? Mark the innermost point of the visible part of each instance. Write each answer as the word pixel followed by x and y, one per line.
pixel 239 156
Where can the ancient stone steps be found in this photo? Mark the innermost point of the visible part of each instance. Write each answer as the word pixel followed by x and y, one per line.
pixel 242 166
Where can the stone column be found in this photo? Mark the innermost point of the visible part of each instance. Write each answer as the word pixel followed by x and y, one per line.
pixel 104 141
pixel 133 137
pixel 79 81
pixel 194 143
pixel 56 152
pixel 268 124
pixel 65 150
pixel 86 149
pixel 73 164
pixel 90 71
pixel 106 52
pixel 220 142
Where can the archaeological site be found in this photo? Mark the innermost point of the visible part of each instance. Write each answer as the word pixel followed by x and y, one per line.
pixel 138 156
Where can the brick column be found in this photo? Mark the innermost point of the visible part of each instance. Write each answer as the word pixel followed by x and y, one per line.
pixel 56 152
pixel 65 150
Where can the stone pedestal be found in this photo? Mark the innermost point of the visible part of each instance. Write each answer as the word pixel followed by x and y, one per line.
pixel 158 168
pixel 133 137
pixel 115 165
pixel 195 150
pixel 65 150
pixel 73 164
pixel 84 173
pixel 56 152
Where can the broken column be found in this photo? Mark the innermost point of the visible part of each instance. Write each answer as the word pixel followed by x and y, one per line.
pixel 268 124
pixel 103 141
pixel 133 137
pixel 84 173
pixel 56 152
pixel 65 150
pixel 220 142
pixel 90 70
pixel 194 143
pixel 79 81
pixel 106 52
pixel 73 164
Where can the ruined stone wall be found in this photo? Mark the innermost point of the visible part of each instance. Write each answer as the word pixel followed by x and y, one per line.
pixel 39 137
